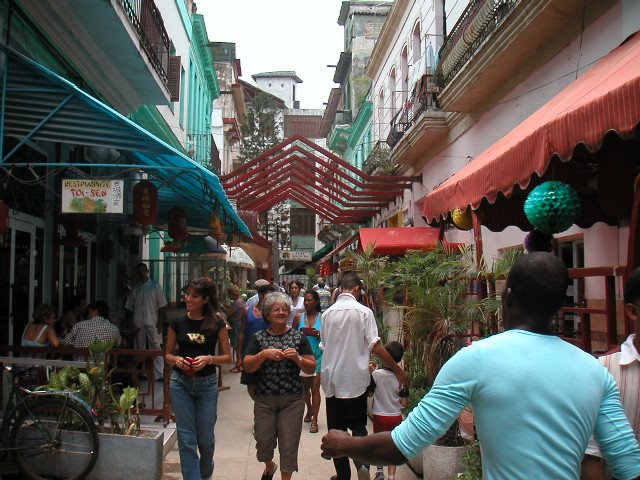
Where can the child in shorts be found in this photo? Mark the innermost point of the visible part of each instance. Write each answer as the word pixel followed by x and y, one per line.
pixel 388 401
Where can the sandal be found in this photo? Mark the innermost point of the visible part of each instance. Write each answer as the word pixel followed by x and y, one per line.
pixel 314 427
pixel 269 476
pixel 235 369
pixel 308 417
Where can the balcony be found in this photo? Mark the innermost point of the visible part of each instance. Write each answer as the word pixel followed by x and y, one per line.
pixel 495 39
pixel 417 127
pixel 120 47
pixel 199 149
pixel 340 131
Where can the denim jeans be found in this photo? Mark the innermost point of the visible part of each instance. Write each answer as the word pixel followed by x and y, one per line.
pixel 195 404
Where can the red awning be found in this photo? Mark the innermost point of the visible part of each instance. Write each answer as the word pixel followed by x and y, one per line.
pixel 606 97
pixel 390 241
pixel 397 241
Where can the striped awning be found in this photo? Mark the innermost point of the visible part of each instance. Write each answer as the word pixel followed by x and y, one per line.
pixel 41 105
pixel 605 98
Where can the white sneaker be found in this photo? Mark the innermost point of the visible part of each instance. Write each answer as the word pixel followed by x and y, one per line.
pixel 379 476
pixel 363 473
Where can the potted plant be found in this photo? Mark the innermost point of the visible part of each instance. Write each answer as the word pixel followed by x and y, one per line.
pixel 125 449
pixel 442 291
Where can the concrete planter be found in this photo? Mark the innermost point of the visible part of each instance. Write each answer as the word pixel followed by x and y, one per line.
pixel 124 456
pixel 442 463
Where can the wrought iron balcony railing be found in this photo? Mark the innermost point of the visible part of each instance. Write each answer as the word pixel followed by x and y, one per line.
pixel 404 119
pixel 477 22
pixel 146 19
pixel 199 148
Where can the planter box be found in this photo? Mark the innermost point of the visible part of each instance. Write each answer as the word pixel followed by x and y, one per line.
pixel 120 456
pixel 123 456
pixel 442 463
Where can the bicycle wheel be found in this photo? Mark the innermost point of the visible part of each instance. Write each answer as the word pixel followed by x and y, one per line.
pixel 55 438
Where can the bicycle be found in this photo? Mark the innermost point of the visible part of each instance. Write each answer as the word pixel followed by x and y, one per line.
pixel 51 435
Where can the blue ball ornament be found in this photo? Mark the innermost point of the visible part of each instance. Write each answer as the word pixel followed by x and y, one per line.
pixel 552 207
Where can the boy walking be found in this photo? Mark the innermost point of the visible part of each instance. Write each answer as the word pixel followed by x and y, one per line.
pixel 388 401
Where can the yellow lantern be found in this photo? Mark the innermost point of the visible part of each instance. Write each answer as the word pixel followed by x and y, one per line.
pixel 463 221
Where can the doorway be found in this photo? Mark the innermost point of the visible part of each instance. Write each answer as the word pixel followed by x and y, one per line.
pixel 21 256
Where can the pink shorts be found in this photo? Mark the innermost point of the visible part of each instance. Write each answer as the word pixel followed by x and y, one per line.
pixel 385 424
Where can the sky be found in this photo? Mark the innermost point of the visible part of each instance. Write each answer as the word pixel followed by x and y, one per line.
pixel 299 35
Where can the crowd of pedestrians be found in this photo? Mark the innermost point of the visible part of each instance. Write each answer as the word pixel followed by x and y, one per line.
pixel 542 407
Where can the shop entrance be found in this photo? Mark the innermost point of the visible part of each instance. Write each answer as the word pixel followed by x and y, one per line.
pixel 21 279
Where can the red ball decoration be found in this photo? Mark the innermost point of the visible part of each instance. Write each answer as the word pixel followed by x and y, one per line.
pixel 145 203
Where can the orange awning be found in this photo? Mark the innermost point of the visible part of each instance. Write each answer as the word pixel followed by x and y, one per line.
pixel 606 97
pixel 397 241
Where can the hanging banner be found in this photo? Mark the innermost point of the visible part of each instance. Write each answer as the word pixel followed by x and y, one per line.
pixel 92 196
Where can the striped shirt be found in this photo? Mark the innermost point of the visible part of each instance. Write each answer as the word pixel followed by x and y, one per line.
pixel 624 367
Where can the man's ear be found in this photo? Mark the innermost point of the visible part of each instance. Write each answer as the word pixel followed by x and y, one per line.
pixel 509 298
pixel 632 311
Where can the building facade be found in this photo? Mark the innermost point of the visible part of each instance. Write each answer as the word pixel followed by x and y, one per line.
pixel 448 83
pixel 78 95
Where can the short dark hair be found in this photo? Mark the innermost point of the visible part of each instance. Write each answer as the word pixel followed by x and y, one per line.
pixel 316 297
pixel 539 283
pixel 42 313
pixel 349 281
pixel 632 287
pixel 395 349
pixel 99 306
pixel 296 282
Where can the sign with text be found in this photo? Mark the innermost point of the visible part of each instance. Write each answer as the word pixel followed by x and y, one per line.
pixel 295 256
pixel 92 196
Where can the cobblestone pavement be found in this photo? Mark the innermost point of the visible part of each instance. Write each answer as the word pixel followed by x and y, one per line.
pixel 235 447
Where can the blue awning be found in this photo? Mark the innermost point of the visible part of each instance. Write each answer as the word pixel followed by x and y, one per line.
pixel 41 105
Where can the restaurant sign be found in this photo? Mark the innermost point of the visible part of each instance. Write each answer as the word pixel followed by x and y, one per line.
pixel 92 196
pixel 295 256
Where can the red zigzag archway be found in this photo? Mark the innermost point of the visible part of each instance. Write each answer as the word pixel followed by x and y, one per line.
pixel 303 171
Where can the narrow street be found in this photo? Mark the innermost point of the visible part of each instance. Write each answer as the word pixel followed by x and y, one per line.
pixel 235 447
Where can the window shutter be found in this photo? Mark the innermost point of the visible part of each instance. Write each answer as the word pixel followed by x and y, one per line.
pixel 174 78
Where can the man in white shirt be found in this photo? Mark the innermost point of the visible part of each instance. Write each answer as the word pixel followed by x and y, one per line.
pixel 253 300
pixel 148 303
pixel 624 367
pixel 348 336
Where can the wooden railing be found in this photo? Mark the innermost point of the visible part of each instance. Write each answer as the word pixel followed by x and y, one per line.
pixel 608 275
pixel 127 366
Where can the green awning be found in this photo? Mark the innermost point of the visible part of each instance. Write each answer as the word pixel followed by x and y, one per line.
pixel 318 254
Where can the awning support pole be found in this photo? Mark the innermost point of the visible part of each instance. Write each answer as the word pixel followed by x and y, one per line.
pixel 633 249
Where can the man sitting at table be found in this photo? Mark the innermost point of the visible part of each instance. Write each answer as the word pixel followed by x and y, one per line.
pixel 97 325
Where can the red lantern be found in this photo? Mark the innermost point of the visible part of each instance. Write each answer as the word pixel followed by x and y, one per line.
pixel 4 218
pixel 145 202
pixel 177 224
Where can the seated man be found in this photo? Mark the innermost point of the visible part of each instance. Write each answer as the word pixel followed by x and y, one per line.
pixel 97 325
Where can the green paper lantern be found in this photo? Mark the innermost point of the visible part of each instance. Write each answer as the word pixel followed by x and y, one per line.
pixel 552 207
